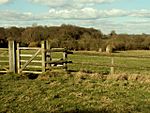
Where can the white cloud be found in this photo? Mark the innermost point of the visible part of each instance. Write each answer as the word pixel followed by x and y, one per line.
pixel 86 13
pixel 72 14
pixel 141 13
pixel 4 1
pixel 114 12
pixel 52 3
pixel 70 3
pixel 14 15
pixel 95 1
pixel 104 20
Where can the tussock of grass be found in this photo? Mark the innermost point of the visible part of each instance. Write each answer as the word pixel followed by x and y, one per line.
pixel 93 76
pixel 53 73
pixel 130 77
pixel 122 76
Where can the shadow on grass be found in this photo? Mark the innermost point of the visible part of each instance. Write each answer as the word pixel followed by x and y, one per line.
pixel 32 76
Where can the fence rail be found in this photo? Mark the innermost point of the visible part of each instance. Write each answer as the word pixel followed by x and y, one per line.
pixel 113 63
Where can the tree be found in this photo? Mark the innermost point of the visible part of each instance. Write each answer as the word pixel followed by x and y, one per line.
pixel 2 33
pixel 34 34
pixel 113 34
pixel 14 33
pixel 3 41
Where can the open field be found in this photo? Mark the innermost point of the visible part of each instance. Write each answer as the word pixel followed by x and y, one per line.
pixel 125 61
pixel 57 91
pixel 134 62
pixel 127 91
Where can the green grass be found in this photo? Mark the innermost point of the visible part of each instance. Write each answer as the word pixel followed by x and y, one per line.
pixel 77 92
pixel 135 65
pixel 59 92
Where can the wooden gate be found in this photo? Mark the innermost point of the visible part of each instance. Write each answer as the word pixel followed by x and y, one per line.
pixel 37 60
pixel 31 59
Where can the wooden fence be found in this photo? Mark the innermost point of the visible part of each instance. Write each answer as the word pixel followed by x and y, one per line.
pixel 114 65
pixel 38 59
pixel 32 59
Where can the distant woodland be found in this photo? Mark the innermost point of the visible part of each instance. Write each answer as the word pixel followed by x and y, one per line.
pixel 73 38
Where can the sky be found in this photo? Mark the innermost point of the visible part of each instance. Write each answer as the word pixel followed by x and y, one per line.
pixel 123 16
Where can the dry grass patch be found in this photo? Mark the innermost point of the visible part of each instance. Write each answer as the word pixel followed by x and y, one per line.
pixel 52 73
pixel 130 77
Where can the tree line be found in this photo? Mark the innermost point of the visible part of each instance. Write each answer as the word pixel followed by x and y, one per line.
pixel 73 38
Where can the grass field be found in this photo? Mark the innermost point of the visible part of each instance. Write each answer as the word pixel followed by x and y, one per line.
pixel 59 92
pixel 56 91
pixel 127 59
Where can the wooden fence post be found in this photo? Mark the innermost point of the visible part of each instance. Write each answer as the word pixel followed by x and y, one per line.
pixel 12 56
pixel 43 47
pixel 112 68
pixel 65 59
pixel 18 59
pixel 48 54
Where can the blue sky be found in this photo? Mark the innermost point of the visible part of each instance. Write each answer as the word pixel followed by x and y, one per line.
pixel 123 16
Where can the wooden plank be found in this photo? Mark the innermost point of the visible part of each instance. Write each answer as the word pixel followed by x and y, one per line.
pixel 33 61
pixel 4 56
pixel 112 68
pixel 48 54
pixel 56 59
pixel 18 59
pixel 5 49
pixel 29 48
pixel 4 53
pixel 65 57
pixel 59 50
pixel 58 62
pixel 34 72
pixel 43 47
pixel 108 65
pixel 3 71
pixel 32 66
pixel 69 52
pixel 56 50
pixel 24 66
pixel 4 61
pixel 4 67
pixel 123 56
pixel 12 56
pixel 29 55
